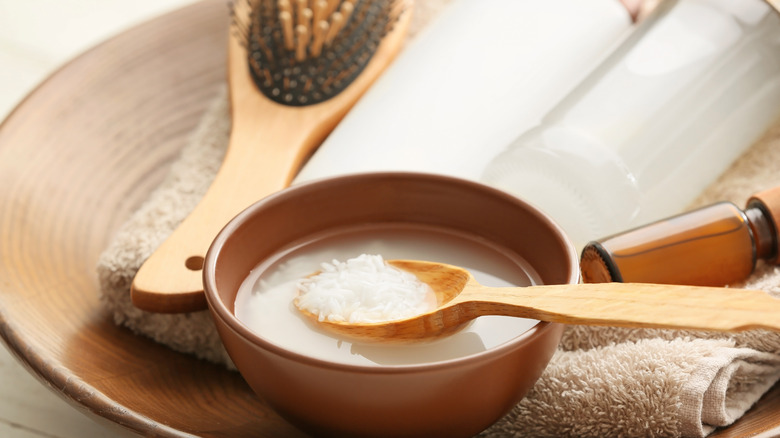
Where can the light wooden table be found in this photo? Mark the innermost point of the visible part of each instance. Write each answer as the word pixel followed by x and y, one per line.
pixel 37 37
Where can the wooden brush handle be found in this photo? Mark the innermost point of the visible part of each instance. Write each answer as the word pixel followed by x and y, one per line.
pixel 268 144
pixel 257 164
pixel 632 305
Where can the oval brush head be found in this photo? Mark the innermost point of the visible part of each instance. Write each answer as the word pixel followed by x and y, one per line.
pixel 302 52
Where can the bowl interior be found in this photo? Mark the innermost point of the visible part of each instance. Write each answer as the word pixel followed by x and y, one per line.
pixel 312 208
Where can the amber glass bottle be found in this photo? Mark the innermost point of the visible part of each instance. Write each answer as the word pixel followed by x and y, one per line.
pixel 713 246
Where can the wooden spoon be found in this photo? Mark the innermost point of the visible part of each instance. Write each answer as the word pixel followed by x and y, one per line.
pixel 461 299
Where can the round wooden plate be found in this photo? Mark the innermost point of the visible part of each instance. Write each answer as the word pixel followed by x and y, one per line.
pixel 76 158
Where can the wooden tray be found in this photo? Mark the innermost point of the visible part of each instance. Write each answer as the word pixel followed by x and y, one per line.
pixel 76 158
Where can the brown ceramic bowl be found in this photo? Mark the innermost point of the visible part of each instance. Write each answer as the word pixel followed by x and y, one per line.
pixel 455 397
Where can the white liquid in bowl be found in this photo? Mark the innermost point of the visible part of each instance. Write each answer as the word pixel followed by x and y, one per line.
pixel 264 301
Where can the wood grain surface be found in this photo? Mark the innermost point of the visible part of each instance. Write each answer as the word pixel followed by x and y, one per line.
pixel 76 158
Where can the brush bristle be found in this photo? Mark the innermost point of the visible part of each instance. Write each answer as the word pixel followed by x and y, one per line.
pixel 302 52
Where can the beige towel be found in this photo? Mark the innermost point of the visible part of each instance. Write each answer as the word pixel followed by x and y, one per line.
pixel 602 382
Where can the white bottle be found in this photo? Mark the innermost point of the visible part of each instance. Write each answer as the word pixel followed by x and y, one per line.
pixel 695 85
pixel 479 75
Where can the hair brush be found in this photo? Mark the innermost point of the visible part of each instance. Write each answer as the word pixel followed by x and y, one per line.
pixel 295 67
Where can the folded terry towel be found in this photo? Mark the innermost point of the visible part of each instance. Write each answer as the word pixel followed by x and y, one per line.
pixel 602 381
pixel 651 387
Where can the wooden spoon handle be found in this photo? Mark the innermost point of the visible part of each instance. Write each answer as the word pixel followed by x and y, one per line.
pixel 633 305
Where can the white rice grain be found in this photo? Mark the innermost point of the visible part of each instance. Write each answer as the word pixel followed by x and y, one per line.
pixel 363 289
